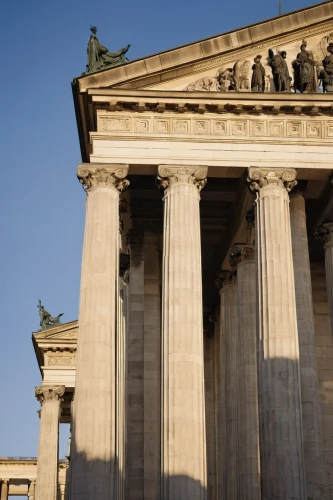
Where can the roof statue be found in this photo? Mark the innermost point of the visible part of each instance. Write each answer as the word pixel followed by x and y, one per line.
pixel 99 57
pixel 305 70
pixel 327 72
pixel 46 320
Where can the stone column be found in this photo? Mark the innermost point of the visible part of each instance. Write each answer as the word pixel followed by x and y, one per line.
pixel 280 419
pixel 228 387
pixel 311 412
pixel 4 489
pixel 47 464
pixel 62 491
pixel 325 232
pixel 135 368
pixel 32 488
pixel 183 407
pixel 248 466
pixel 93 446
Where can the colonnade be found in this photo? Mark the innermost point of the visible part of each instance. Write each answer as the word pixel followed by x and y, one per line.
pixel 268 385
pixel 4 489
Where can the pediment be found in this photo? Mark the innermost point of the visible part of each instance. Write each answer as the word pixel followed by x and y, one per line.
pixel 196 66
pixel 65 331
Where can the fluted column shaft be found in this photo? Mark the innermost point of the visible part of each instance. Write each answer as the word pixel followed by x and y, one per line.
pixel 4 489
pixel 93 446
pixel 32 488
pixel 281 436
pixel 47 464
pixel 248 470
pixel 183 422
pixel 228 387
pixel 325 231
pixel 311 412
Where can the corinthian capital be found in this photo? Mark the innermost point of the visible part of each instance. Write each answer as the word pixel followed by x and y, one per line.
pixel 262 177
pixel 49 393
pixel 325 232
pixel 170 175
pixel 225 278
pixel 242 253
pixel 100 175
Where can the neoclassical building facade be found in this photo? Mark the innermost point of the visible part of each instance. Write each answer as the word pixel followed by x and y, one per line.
pixel 201 364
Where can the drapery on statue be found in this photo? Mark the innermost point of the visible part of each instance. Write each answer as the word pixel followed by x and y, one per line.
pixel 258 76
pixel 280 70
pixel 46 320
pixel 99 57
pixel 327 73
pixel 305 70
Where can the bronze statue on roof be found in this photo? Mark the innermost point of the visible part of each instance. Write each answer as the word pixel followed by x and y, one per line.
pixel 99 57
pixel 46 320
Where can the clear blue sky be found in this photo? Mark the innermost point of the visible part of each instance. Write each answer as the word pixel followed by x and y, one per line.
pixel 42 204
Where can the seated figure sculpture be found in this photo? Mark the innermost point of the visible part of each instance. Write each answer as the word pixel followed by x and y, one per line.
pixel 99 57
pixel 46 320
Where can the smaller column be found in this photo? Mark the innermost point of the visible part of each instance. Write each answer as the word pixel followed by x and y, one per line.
pixel 62 491
pixel 4 489
pixel 248 466
pixel 228 386
pixel 47 465
pixel 325 233
pixel 32 487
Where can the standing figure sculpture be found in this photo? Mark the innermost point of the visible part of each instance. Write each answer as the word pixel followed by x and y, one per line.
pixel 258 76
pixel 327 73
pixel 46 320
pixel 99 57
pixel 280 70
pixel 305 71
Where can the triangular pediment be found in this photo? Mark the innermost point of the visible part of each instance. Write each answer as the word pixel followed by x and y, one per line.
pixel 65 331
pixel 196 66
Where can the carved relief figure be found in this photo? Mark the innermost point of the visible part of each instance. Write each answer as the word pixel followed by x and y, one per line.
pixel 305 70
pixel 99 57
pixel 203 84
pixel 244 81
pixel 258 76
pixel 46 320
pixel 280 70
pixel 327 73
pixel 228 79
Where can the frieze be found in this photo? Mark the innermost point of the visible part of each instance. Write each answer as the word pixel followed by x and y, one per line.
pixel 291 128
pixel 60 360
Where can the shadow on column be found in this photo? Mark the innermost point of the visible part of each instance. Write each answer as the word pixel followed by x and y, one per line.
pixel 95 484
pixel 183 488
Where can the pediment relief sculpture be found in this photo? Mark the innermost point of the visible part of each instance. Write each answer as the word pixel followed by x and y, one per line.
pixel 310 71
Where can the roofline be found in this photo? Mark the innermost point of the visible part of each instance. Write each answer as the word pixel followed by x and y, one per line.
pixel 205 39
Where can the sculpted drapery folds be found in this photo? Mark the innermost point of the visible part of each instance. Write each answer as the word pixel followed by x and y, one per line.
pixel 327 73
pixel 99 57
pixel 258 75
pixel 305 75
pixel 280 70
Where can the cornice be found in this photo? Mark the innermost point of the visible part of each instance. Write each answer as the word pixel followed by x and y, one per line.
pixel 236 103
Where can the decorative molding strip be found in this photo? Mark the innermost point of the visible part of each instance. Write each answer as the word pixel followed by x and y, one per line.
pixel 223 127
